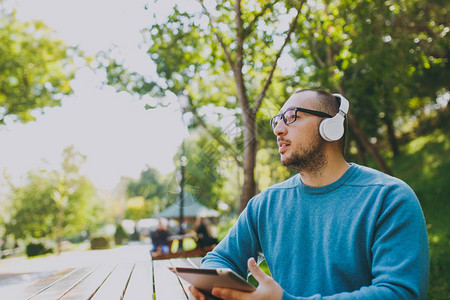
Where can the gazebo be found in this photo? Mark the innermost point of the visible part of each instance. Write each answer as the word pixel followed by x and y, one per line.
pixel 191 209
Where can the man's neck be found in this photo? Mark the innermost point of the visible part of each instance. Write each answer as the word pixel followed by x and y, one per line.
pixel 331 172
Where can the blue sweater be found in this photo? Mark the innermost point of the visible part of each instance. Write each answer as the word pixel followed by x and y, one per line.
pixel 361 237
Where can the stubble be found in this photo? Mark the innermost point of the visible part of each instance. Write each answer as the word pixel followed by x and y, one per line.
pixel 310 159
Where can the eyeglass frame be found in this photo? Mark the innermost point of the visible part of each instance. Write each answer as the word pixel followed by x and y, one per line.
pixel 297 109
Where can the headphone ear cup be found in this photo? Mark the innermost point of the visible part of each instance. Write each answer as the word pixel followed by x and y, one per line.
pixel 332 129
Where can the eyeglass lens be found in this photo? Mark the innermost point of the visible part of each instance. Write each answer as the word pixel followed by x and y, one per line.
pixel 289 116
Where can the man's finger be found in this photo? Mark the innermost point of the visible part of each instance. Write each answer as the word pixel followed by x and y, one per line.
pixel 196 293
pixel 256 270
pixel 229 294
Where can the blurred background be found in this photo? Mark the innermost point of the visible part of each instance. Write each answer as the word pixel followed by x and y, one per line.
pixel 113 111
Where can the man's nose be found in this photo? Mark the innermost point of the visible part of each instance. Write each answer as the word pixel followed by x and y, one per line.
pixel 280 129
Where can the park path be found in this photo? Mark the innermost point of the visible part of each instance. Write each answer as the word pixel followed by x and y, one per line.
pixel 18 272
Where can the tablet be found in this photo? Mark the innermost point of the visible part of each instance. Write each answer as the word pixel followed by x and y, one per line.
pixel 206 279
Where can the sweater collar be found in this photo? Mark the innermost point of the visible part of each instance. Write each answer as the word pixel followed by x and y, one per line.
pixel 330 187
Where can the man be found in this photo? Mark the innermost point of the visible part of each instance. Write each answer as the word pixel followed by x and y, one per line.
pixel 334 231
pixel 160 239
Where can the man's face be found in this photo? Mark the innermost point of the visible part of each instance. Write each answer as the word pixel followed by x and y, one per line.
pixel 299 143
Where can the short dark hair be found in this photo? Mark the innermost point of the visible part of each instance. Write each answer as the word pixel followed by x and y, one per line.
pixel 329 104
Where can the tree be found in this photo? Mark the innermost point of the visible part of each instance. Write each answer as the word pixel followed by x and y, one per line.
pixel 147 195
pixel 223 53
pixel 71 193
pixel 35 67
pixel 150 184
pixel 203 171
pixel 33 209
pixel 53 204
pixel 381 55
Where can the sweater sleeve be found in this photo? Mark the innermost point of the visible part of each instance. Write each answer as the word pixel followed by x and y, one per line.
pixel 400 253
pixel 238 246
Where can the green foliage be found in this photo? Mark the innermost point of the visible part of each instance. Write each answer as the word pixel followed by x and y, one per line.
pixel 426 168
pixel 35 67
pixel 100 242
pixel 120 235
pixel 387 57
pixel 33 208
pixel 224 226
pixel 137 209
pixel 48 199
pixel 203 178
pixel 150 184
pixel 147 195
pixel 35 249
pixel 390 58
pixel 135 235
pixel 221 57
pixel 439 266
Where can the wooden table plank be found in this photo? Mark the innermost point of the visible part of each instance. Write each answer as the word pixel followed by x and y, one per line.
pixel 63 285
pixel 185 263
pixel 195 261
pixel 167 285
pixel 89 286
pixel 39 285
pixel 115 285
pixel 140 285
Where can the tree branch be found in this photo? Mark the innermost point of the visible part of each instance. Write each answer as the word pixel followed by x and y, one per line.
pixel 315 55
pixel 248 29
pixel 239 36
pixel 274 65
pixel 359 133
pixel 219 139
pixel 218 37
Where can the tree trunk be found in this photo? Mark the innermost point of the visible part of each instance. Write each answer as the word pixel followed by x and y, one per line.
pixel 391 136
pixel 59 228
pixel 250 148
pixel 367 145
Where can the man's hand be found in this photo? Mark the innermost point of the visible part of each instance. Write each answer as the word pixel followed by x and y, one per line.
pixel 267 288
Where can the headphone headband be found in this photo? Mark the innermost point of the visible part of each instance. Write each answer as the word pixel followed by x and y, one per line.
pixel 344 105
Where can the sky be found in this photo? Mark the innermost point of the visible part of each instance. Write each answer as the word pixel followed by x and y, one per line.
pixel 115 132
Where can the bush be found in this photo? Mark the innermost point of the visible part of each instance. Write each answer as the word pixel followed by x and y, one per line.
pixel 135 235
pixel 34 249
pixel 120 235
pixel 100 242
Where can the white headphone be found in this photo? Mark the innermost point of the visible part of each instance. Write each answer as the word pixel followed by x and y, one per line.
pixel 332 129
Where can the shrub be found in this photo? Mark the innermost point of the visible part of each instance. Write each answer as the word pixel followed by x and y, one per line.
pixel 135 235
pixel 120 235
pixel 100 242
pixel 34 249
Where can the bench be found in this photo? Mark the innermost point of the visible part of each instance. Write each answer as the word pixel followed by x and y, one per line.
pixel 149 279
pixel 189 253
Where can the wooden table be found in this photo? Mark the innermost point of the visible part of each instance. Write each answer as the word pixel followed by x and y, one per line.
pixel 139 280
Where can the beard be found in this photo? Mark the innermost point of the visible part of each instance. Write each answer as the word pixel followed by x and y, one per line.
pixel 310 159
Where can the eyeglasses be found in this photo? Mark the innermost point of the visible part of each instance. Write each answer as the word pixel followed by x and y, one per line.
pixel 290 116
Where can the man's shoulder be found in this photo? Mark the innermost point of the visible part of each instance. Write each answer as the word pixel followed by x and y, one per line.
pixel 368 176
